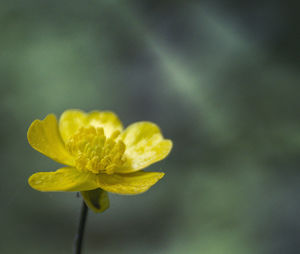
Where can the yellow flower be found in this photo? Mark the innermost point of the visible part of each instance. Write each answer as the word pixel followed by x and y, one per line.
pixel 100 156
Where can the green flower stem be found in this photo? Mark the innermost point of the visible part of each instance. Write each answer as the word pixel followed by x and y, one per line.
pixel 80 232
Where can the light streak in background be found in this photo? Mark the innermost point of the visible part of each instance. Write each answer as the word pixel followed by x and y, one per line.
pixel 192 83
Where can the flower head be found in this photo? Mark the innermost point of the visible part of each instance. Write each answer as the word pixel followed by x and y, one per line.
pixel 99 155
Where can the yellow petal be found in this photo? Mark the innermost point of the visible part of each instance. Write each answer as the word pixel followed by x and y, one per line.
pixel 71 120
pixel 144 146
pixel 128 184
pixel 43 135
pixel 64 179
pixel 97 200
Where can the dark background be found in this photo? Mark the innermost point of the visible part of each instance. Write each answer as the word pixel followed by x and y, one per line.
pixel 221 78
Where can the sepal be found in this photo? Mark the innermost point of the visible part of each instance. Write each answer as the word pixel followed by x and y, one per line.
pixel 97 200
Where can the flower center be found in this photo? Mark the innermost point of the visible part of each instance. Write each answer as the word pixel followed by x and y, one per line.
pixel 95 152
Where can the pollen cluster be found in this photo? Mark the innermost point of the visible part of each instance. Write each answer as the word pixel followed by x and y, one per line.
pixel 96 153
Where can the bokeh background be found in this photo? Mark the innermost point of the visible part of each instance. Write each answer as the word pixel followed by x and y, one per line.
pixel 221 78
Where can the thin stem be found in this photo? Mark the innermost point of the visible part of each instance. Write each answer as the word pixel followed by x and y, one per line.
pixel 80 232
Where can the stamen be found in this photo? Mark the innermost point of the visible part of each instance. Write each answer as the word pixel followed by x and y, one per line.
pixel 95 152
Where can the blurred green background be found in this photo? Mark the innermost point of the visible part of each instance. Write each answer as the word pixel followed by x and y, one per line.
pixel 221 78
